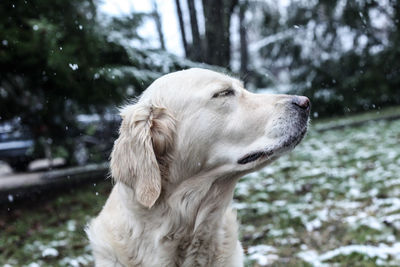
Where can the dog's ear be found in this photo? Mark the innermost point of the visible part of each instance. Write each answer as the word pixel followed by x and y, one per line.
pixel 145 140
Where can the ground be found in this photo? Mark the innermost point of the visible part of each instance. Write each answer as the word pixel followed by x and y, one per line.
pixel 335 199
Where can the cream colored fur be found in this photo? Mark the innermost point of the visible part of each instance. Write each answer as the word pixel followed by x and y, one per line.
pixel 181 150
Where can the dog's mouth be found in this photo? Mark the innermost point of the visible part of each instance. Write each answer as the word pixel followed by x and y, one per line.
pixel 285 145
pixel 254 156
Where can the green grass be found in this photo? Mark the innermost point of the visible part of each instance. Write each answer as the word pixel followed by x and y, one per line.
pixel 28 229
pixel 335 200
pixel 337 189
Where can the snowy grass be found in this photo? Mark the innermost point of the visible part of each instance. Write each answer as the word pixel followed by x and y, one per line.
pixel 50 232
pixel 335 200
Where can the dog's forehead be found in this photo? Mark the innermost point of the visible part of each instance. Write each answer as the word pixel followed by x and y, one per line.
pixel 187 85
pixel 194 79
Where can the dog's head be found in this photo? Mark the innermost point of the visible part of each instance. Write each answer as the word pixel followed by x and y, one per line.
pixel 197 120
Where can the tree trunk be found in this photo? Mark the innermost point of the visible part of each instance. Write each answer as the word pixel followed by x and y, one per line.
pixel 217 16
pixel 244 55
pixel 157 19
pixel 182 26
pixel 197 49
pixel 396 35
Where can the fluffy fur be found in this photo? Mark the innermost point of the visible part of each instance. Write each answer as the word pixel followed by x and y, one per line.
pixel 181 150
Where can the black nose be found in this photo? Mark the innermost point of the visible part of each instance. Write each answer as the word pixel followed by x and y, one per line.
pixel 301 101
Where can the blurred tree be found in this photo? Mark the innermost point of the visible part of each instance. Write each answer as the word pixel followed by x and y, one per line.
pixel 182 27
pixel 244 54
pixel 215 46
pixel 157 20
pixel 57 62
pixel 125 28
pixel 342 54
pixel 197 43
pixel 48 60
pixel 217 16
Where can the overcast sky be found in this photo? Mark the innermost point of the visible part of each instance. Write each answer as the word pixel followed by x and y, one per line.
pixel 148 30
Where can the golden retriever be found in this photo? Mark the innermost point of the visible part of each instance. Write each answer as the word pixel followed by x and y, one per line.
pixel 181 150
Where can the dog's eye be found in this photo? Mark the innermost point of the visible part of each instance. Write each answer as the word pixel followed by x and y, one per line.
pixel 227 92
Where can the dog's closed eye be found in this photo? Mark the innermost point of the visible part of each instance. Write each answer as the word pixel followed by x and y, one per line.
pixel 223 93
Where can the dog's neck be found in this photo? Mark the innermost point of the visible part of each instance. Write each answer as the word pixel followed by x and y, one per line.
pixel 196 207
pixel 195 199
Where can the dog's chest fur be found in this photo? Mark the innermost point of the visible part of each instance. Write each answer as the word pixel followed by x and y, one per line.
pixel 206 237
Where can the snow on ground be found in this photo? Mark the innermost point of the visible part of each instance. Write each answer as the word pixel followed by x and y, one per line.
pixel 262 254
pixel 334 198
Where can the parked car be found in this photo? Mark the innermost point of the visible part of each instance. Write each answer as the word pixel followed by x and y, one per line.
pixel 16 145
pixel 92 137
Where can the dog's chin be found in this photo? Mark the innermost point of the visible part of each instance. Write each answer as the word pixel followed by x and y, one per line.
pixel 268 154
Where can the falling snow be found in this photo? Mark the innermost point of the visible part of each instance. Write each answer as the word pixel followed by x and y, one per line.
pixel 73 66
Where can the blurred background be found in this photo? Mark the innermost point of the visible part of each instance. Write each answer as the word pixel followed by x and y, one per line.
pixel 66 66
